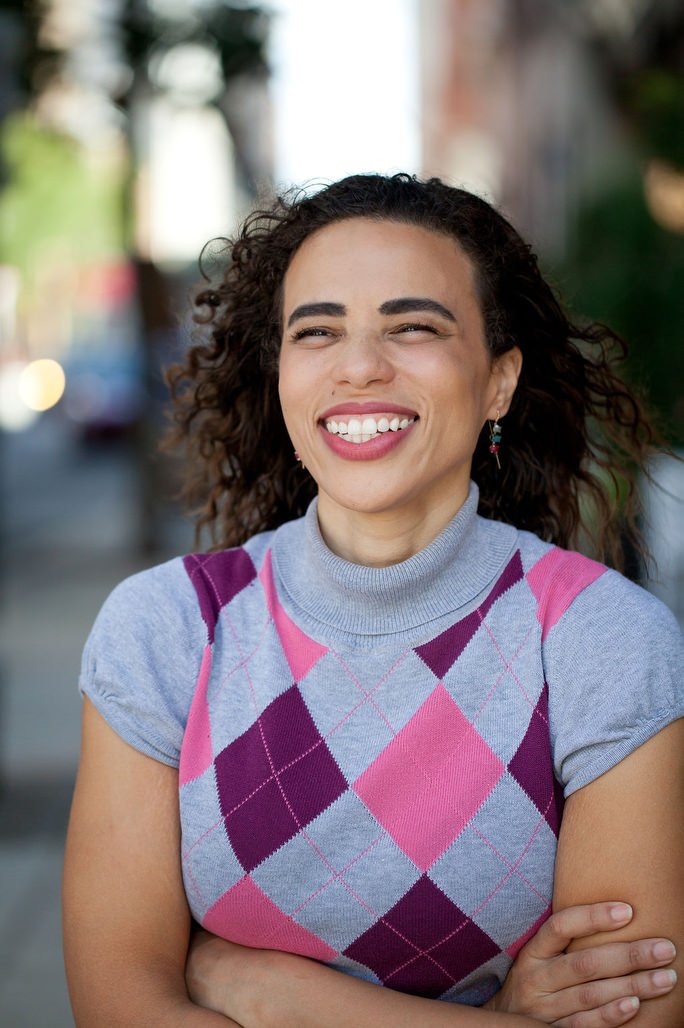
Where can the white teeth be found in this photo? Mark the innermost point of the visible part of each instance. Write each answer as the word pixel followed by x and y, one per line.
pixel 360 431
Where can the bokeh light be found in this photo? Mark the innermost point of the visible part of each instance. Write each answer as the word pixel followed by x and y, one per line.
pixel 14 414
pixel 41 384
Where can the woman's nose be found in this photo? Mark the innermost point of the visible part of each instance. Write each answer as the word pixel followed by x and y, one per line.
pixel 363 360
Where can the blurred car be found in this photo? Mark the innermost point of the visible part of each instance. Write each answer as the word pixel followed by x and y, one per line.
pixel 105 392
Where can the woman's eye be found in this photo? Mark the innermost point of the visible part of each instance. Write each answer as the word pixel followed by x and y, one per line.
pixel 307 333
pixel 417 327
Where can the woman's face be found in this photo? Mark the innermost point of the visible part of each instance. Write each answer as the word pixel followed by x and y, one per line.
pixel 385 378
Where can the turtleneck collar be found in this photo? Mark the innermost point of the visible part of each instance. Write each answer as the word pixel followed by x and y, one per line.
pixel 352 602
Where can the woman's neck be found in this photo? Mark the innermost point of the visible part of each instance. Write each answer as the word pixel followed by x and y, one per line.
pixel 385 538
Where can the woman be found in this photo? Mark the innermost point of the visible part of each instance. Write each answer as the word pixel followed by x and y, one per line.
pixel 375 709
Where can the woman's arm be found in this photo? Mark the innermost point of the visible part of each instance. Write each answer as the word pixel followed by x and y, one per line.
pixel 126 921
pixel 261 988
pixel 624 835
pixel 269 989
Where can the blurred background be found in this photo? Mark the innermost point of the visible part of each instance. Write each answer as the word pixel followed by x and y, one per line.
pixel 133 131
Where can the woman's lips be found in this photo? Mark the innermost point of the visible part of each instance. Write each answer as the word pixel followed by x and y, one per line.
pixel 367 407
pixel 374 448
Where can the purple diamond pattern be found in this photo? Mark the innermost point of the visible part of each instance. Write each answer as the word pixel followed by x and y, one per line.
pixel 274 779
pixel 218 578
pixel 532 767
pixel 441 653
pixel 424 944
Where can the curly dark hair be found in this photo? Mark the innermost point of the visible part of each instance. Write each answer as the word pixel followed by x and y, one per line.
pixel 575 432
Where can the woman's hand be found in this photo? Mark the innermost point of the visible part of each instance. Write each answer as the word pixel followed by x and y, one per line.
pixel 232 980
pixel 592 988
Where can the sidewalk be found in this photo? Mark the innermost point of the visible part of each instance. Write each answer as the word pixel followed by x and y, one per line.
pixel 69 532
pixel 40 719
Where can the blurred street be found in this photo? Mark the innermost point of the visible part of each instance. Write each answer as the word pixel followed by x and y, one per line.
pixel 70 519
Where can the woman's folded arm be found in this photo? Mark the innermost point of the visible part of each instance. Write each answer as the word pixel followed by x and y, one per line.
pixel 126 920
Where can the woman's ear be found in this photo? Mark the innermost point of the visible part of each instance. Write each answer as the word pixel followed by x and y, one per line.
pixel 505 372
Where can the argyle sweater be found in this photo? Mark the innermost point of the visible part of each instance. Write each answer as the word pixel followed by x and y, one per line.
pixel 372 761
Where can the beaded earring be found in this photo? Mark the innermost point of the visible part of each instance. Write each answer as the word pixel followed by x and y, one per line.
pixel 495 439
pixel 299 460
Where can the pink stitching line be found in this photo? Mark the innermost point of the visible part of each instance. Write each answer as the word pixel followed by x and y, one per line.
pixel 270 761
pixel 517 863
pixel 190 875
pixel 243 661
pixel 500 884
pixel 508 864
pixel 501 677
pixel 338 874
pixel 497 888
pixel 509 667
pixel 305 753
pixel 200 565
pixel 428 954
pixel 367 695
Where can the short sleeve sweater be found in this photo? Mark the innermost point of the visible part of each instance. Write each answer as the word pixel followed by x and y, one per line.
pixel 372 761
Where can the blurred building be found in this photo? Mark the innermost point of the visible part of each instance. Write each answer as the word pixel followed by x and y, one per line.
pixel 513 107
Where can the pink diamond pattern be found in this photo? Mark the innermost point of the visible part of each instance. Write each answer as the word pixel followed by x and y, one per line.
pixel 196 752
pixel 245 914
pixel 300 651
pixel 556 579
pixel 430 780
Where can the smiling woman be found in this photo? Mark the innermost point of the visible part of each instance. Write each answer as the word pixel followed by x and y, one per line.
pixel 395 747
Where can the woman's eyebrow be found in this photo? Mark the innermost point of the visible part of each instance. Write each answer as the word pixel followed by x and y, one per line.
pixel 407 304
pixel 317 310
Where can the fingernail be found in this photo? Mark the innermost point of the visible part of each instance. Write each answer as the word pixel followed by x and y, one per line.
pixel 664 979
pixel 664 951
pixel 621 911
pixel 626 1006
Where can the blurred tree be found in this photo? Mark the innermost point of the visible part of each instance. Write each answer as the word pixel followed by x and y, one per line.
pixel 54 197
pixel 625 265
pixel 73 70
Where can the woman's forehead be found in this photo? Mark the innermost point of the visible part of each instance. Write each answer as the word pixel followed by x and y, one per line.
pixel 378 255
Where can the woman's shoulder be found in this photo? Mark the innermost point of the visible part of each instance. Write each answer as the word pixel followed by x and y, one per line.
pixel 187 583
pixel 567 582
pixel 612 655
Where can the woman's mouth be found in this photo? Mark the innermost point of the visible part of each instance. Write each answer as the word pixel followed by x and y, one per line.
pixel 366 436
pixel 362 430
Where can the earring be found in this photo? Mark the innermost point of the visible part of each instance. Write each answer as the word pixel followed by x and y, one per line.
pixel 300 461
pixel 495 439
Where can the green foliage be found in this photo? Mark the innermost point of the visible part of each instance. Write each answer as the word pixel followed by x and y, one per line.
pixel 55 198
pixel 657 102
pixel 627 271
